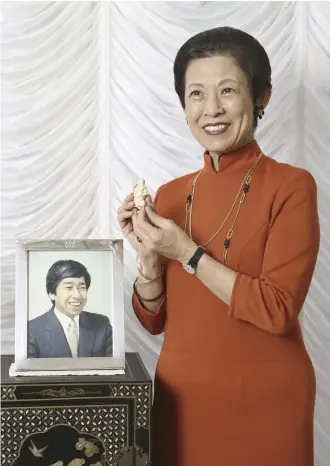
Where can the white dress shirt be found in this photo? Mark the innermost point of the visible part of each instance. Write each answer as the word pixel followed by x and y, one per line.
pixel 65 321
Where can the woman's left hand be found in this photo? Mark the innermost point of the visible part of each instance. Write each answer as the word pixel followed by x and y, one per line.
pixel 161 235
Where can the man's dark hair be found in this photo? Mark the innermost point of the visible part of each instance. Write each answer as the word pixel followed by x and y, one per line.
pixel 249 54
pixel 65 269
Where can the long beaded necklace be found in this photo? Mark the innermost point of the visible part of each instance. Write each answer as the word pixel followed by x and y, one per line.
pixel 243 190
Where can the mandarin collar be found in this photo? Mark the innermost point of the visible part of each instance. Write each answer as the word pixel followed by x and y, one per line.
pixel 233 161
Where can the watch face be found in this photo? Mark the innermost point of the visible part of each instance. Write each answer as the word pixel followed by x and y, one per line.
pixel 189 269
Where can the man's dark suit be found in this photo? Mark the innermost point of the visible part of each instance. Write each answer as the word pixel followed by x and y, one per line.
pixel 47 338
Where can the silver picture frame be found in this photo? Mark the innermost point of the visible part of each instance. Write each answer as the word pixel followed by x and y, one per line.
pixel 28 249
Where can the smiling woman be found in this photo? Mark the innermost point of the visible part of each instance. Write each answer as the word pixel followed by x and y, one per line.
pixel 220 112
pixel 225 91
pixel 226 258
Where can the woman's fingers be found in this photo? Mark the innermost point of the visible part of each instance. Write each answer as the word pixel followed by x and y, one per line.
pixel 149 202
pixel 129 197
pixel 139 219
pixel 134 238
pixel 143 229
pixel 130 220
pixel 124 212
pixel 126 206
pixel 123 216
pixel 136 221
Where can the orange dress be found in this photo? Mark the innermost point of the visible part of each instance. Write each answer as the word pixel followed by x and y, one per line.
pixel 234 384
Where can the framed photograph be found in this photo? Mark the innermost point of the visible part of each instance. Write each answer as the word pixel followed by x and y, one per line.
pixel 69 308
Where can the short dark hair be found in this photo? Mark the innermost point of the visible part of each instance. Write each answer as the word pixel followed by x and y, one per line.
pixel 249 54
pixel 65 269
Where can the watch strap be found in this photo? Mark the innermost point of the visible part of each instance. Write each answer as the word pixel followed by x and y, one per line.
pixel 193 262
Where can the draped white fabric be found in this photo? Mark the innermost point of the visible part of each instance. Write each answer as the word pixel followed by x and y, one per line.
pixel 88 107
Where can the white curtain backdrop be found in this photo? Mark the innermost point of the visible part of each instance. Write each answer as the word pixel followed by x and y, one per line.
pixel 88 107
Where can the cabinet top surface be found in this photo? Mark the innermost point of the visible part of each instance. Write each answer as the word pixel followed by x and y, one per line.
pixel 135 371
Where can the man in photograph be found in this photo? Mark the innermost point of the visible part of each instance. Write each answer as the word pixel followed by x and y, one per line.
pixel 66 330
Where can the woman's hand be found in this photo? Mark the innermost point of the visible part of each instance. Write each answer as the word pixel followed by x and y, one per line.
pixel 124 217
pixel 162 236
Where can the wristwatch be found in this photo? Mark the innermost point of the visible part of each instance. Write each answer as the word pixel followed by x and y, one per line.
pixel 193 262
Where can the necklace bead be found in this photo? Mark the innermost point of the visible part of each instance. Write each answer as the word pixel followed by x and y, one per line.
pixel 226 243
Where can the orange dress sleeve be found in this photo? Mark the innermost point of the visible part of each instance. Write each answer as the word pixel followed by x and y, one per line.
pixel 154 322
pixel 273 301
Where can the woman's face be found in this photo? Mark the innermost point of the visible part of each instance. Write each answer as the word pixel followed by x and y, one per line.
pixel 218 104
